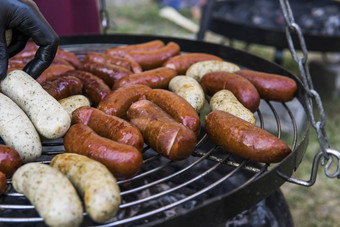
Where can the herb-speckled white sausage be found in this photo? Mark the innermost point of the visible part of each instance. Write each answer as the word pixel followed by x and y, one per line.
pixel 51 193
pixel 93 181
pixel 73 102
pixel 45 112
pixel 17 130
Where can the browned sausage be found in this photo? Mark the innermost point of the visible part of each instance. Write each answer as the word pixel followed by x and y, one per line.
pixel 242 88
pixel 244 139
pixel 154 78
pixel 3 182
pixel 154 58
pixel 176 106
pixel 63 86
pixel 108 126
pixel 10 160
pixel 271 86
pixel 165 135
pixel 70 57
pixel 121 159
pixel 117 102
pixel 182 62
pixel 60 61
pixel 94 87
pixel 121 51
pixel 107 72
pixel 53 72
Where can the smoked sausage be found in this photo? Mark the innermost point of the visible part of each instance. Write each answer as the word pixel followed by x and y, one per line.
pixel 53 72
pixel 63 87
pixel 10 160
pixel 122 51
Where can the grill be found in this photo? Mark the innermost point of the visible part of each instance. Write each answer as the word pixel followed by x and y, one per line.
pixel 209 187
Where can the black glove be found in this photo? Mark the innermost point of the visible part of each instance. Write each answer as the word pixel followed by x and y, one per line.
pixel 26 21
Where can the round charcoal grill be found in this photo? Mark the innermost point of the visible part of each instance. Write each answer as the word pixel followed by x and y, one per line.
pixel 206 189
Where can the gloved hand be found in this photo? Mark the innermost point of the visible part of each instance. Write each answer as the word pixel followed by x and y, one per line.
pixel 26 21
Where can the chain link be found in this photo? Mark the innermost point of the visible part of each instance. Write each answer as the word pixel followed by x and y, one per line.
pixel 311 95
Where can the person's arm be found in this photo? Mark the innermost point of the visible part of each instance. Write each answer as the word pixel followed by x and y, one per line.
pixel 26 21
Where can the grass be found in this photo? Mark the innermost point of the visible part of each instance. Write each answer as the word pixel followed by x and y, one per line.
pixel 318 205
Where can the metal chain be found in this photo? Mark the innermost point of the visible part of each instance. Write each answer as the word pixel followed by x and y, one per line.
pixel 311 94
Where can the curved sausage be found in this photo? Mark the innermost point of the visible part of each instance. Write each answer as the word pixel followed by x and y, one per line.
pixel 182 62
pixel 63 87
pixel 108 126
pixel 155 78
pixel 243 138
pixel 3 182
pixel 94 87
pixel 117 102
pixel 154 58
pixel 165 135
pixel 70 57
pixel 121 159
pixel 53 72
pixel 107 72
pixel 121 51
pixel 242 88
pixel 176 106
pixel 271 86
pixel 10 160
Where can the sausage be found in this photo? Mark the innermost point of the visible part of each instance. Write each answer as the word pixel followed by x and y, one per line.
pixel 47 115
pixel 108 126
pixel 73 102
pixel 3 182
pixel 121 159
pixel 93 87
pixel 53 72
pixel 165 135
pixel 271 86
pixel 242 88
pixel 107 72
pixel 154 78
pixel 10 160
pixel 117 102
pixel 176 106
pixel 17 130
pixel 70 57
pixel 60 61
pixel 93 181
pixel 63 86
pixel 182 62
pixel 154 58
pixel 122 51
pixel 51 193
pixel 244 139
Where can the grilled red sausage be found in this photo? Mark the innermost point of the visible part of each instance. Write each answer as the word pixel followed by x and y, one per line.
pixel 94 87
pixel 108 126
pixel 182 62
pixel 165 135
pixel 244 139
pixel 3 182
pixel 53 72
pixel 10 160
pixel 107 72
pixel 117 102
pixel 176 106
pixel 70 57
pixel 242 88
pixel 121 159
pixel 121 51
pixel 155 78
pixel 154 58
pixel 271 86
pixel 63 86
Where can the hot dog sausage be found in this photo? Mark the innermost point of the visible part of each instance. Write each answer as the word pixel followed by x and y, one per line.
pixel 108 126
pixel 63 86
pixel 3 182
pixel 53 72
pixel 176 106
pixel 271 86
pixel 155 78
pixel 242 88
pixel 122 160
pixel 10 160
pixel 94 87
pixel 121 51
pixel 243 138
pixel 182 62
pixel 117 102
pixel 107 72
pixel 154 58
pixel 165 135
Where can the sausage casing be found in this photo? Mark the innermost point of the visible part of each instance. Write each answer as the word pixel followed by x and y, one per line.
pixel 63 86
pixel 122 51
pixel 53 72
pixel 10 160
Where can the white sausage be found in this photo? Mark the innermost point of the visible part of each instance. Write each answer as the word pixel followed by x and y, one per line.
pixel 73 102
pixel 45 112
pixel 17 130
pixel 51 193
pixel 93 181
